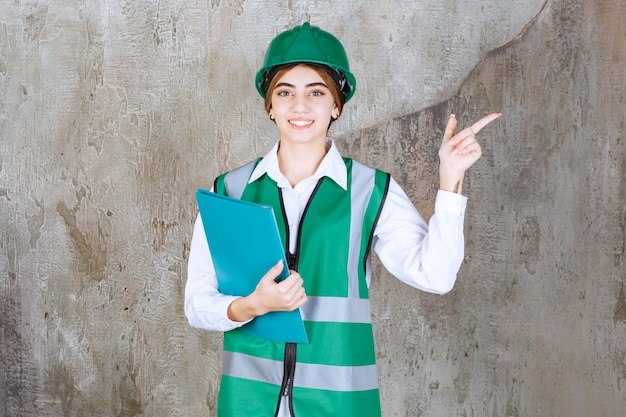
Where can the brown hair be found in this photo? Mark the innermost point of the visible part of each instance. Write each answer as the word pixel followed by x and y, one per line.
pixel 338 96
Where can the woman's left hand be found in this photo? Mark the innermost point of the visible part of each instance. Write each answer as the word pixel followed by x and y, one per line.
pixel 459 151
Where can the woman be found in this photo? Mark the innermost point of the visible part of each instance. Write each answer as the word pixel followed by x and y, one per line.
pixel 335 210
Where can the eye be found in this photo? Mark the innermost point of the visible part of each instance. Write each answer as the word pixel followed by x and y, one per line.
pixel 317 93
pixel 283 93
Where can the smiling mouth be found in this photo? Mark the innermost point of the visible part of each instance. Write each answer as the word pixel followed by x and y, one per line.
pixel 301 123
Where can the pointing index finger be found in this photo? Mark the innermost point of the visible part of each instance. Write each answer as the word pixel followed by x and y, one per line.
pixel 479 125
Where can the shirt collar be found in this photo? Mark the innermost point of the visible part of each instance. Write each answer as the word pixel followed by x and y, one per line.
pixel 332 166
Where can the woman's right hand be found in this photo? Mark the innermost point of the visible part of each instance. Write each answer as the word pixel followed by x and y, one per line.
pixel 269 295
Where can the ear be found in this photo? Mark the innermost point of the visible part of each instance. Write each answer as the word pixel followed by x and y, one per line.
pixel 335 113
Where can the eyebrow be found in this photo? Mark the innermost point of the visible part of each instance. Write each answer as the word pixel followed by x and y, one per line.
pixel 315 84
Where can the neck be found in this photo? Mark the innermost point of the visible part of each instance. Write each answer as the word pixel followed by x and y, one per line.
pixel 299 161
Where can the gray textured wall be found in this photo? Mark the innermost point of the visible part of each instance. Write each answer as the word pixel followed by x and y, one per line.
pixel 113 112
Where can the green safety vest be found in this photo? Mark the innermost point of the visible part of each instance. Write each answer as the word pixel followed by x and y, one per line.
pixel 335 373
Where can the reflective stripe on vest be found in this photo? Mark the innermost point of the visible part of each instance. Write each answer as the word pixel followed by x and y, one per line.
pixel 336 309
pixel 362 179
pixel 313 376
pixel 235 181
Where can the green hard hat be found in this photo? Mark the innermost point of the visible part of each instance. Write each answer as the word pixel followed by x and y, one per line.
pixel 308 44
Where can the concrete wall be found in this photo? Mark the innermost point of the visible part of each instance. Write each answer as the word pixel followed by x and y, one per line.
pixel 113 112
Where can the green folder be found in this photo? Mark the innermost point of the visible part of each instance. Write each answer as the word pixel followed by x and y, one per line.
pixel 244 242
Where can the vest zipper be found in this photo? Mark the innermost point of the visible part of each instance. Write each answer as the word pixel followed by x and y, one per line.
pixel 289 361
pixel 289 370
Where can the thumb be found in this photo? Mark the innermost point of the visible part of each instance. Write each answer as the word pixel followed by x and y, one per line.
pixel 273 272
pixel 450 128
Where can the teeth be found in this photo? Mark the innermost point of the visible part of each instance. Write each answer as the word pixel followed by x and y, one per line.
pixel 301 122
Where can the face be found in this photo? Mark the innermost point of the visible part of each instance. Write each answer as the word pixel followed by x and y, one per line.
pixel 302 106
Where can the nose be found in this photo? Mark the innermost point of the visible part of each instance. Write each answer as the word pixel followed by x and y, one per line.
pixel 300 104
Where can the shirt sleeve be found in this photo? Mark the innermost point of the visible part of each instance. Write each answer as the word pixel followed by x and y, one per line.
pixel 205 306
pixel 424 255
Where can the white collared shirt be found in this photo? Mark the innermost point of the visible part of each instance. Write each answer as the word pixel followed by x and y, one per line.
pixel 424 255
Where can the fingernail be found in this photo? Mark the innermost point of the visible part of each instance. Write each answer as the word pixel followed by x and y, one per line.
pixel 452 116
